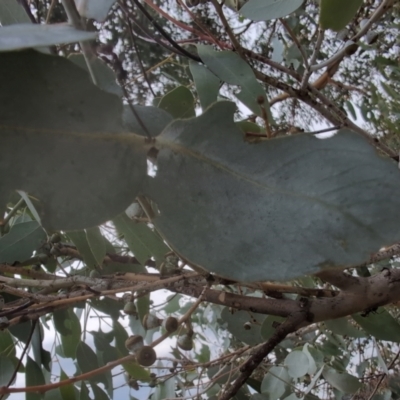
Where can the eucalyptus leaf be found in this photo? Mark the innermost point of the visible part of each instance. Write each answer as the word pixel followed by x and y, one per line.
pixel 20 243
pixel 23 36
pixel 97 244
pixel 275 382
pixel 297 363
pixel 341 380
pixel 94 9
pixel 380 324
pixel 231 68
pixel 179 103
pixel 153 118
pixel 6 370
pixel 265 10
pixel 207 84
pixel 105 76
pixel 12 12
pixel 66 150
pixel 336 14
pixel 80 240
pixel 277 209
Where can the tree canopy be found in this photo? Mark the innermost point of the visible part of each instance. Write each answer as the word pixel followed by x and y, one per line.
pixel 199 199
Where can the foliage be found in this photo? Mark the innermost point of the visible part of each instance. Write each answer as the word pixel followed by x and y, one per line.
pixel 160 172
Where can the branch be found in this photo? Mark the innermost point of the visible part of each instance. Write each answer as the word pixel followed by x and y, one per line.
pixel 292 323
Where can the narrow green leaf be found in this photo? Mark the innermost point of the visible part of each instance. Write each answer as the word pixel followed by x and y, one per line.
pixel 86 357
pixel 207 84
pixel 350 108
pixel 99 393
pixel 70 146
pixel 143 306
pixel 6 370
pixel 67 391
pixel 80 240
pixel 23 36
pixel 7 347
pixel 84 394
pixel 21 331
pixel 265 10
pixel 97 244
pixel 11 12
pixel 341 380
pixel 231 68
pixel 165 390
pixel 30 205
pixel 107 306
pixel 120 338
pixel 70 341
pixel 20 243
pixel 33 377
pixel 142 241
pixel 179 102
pixel 270 191
pixel 336 14
pixel 380 324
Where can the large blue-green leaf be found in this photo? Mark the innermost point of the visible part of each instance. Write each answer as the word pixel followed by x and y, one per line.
pixel 231 68
pixel 22 240
pixel 276 209
pixel 153 118
pixel 23 36
pixel 11 12
pixel 275 382
pixel 265 10
pixel 67 149
pixel 336 14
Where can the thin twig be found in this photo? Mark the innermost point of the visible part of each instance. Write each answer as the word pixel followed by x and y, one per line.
pixel 313 59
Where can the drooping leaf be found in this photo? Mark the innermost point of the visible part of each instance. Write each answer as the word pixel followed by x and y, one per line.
pixel 20 243
pixel 105 76
pixel 142 241
pixel 71 340
pixel 67 391
pixel 275 382
pixel 231 68
pixel 86 357
pixel 99 393
pixel 7 347
pixel 341 380
pixel 6 370
pixel 97 244
pixel 153 118
pixel 33 377
pixel 336 14
pixel 272 210
pixel 120 337
pixel 265 10
pixel 179 102
pixel 165 390
pixel 107 306
pixel 207 84
pixel 11 12
pixel 94 9
pixel 21 331
pixel 380 324
pixel 66 150
pixel 23 36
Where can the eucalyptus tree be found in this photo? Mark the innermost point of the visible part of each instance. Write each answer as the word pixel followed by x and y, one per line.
pixel 173 226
